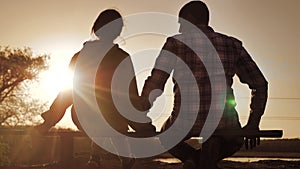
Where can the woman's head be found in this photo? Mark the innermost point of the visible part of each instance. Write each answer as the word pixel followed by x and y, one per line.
pixel 108 24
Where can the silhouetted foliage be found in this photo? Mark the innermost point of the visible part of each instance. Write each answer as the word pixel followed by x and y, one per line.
pixel 17 68
pixel 4 151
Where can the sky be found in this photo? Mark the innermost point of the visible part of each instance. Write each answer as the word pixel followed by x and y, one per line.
pixel 269 30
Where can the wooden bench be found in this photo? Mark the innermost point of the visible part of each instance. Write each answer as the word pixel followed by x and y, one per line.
pixel 67 139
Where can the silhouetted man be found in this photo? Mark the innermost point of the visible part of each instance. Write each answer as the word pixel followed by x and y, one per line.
pixel 235 61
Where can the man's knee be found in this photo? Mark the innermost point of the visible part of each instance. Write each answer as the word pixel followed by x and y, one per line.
pixel 230 146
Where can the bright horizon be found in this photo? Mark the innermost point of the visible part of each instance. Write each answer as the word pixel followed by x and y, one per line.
pixel 268 29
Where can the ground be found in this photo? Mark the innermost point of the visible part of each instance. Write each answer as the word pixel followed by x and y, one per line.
pixel 42 150
pixel 153 163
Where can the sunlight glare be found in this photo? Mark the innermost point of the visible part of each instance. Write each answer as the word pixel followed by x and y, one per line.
pixel 57 79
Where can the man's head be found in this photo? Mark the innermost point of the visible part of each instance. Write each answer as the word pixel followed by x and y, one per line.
pixel 196 12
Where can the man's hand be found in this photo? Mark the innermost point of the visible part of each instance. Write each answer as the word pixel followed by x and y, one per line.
pixel 143 129
pixel 253 141
pixel 168 123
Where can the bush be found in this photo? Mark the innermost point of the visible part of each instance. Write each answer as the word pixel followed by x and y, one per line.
pixel 4 153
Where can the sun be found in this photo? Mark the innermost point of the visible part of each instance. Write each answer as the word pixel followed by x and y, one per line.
pixel 56 79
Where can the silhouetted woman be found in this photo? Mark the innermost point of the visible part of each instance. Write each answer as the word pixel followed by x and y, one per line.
pixel 107 28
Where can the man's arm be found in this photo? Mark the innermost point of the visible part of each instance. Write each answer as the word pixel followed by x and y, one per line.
pixel 164 64
pixel 249 73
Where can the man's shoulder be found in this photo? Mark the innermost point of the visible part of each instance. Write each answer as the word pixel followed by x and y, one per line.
pixel 229 38
pixel 181 36
pixel 213 36
pixel 174 37
pixel 177 39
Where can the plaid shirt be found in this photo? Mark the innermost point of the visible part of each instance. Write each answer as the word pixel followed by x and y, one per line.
pixel 234 60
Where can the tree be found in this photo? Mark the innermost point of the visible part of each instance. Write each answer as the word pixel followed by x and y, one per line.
pixel 17 68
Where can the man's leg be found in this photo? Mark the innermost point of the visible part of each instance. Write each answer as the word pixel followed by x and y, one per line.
pixel 208 155
pixel 230 146
pixel 216 149
pixel 186 154
pixel 183 151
